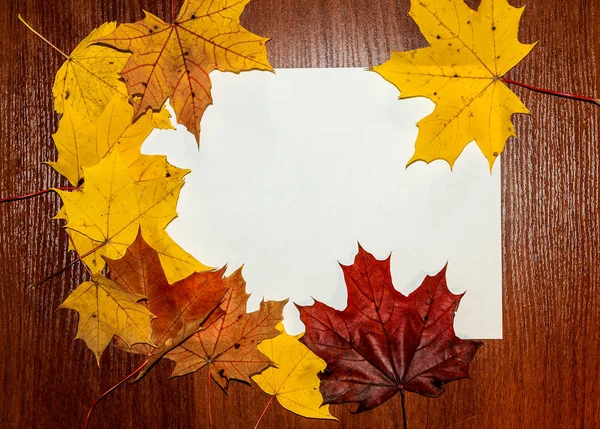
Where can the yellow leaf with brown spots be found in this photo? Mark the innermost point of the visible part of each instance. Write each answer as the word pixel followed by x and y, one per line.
pixel 89 78
pixel 81 144
pixel 106 310
pixel 104 216
pixel 461 73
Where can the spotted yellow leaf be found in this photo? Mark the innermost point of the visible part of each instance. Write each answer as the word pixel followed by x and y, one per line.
pixel 106 310
pixel 81 144
pixel 103 218
pixel 89 78
pixel 293 380
pixel 461 73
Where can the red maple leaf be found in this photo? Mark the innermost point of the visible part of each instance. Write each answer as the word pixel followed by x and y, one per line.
pixel 385 342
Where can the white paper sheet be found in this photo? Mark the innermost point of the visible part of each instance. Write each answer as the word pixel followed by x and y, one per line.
pixel 295 167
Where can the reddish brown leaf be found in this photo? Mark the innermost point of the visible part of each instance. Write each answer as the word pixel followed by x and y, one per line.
pixel 228 346
pixel 179 308
pixel 384 341
pixel 174 60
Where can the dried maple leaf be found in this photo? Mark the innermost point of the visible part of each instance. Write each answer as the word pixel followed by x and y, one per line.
pixel 178 307
pixel 174 60
pixel 460 72
pixel 103 218
pixel 82 144
pixel 293 380
pixel 89 78
pixel 384 342
pixel 228 346
pixel 105 310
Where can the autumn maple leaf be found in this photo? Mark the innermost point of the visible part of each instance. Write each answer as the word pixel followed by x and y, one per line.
pixel 385 342
pixel 82 144
pixel 174 60
pixel 179 308
pixel 105 310
pixel 103 217
pixel 293 380
pixel 461 73
pixel 229 346
pixel 89 79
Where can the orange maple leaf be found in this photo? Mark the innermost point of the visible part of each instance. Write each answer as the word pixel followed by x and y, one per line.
pixel 174 60
pixel 180 308
pixel 228 346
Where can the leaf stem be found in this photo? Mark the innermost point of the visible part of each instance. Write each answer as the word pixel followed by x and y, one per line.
pixel 264 412
pixel 77 251
pixel 41 37
pixel 45 191
pixel 403 409
pixel 210 423
pixel 551 92
pixel 51 276
pixel 89 414
pixel 173 11
pixel 62 270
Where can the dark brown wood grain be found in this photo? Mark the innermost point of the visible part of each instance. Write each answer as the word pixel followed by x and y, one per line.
pixel 543 374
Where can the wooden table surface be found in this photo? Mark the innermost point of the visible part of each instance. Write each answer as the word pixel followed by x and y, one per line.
pixel 543 374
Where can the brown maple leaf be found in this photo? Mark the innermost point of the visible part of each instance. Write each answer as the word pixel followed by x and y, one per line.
pixel 228 346
pixel 180 308
pixel 174 60
pixel 385 342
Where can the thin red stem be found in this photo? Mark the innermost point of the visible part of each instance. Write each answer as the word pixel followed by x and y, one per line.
pixel 89 414
pixel 41 37
pixel 173 11
pixel 210 423
pixel 77 251
pixel 45 191
pixel 264 412
pixel 79 258
pixel 551 92
pixel 50 277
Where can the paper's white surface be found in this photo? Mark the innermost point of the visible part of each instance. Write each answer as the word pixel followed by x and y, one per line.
pixel 295 167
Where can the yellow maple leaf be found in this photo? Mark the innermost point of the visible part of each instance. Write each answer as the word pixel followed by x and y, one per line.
pixel 460 72
pixel 106 310
pixel 174 60
pixel 81 144
pixel 103 218
pixel 89 78
pixel 294 380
